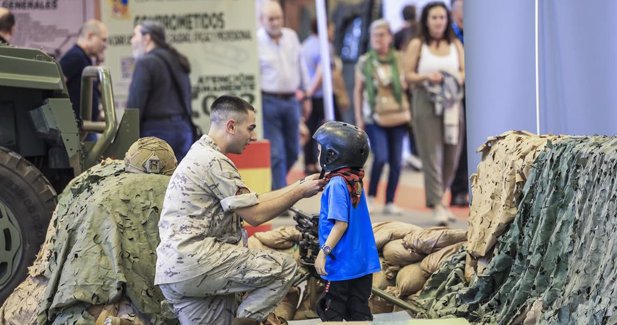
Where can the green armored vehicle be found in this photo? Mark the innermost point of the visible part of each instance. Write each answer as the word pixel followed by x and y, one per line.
pixel 41 148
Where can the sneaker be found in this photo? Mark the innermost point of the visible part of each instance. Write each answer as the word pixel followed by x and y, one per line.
pixel 451 216
pixel 392 209
pixel 370 204
pixel 459 200
pixel 441 215
pixel 414 162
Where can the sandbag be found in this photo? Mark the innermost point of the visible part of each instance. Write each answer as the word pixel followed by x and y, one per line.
pixel 396 254
pixel 410 280
pixel 380 281
pixel 287 307
pixel 390 271
pixel 254 243
pixel 431 263
pixel 430 240
pixel 280 238
pixel 390 230
pixel 379 306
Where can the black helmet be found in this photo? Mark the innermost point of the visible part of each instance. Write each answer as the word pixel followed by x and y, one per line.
pixel 342 145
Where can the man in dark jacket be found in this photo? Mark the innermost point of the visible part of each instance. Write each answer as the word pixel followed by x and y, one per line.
pixel 91 43
pixel 161 89
pixel 7 25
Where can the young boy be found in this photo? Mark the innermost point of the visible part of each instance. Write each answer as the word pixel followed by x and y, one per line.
pixel 348 254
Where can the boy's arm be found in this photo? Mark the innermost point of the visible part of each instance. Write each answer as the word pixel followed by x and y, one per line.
pixel 335 234
pixel 333 238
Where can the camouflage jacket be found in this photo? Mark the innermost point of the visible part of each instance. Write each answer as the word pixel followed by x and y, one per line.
pixel 198 217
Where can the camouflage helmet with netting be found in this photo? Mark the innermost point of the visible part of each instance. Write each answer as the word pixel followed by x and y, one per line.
pixel 150 155
pixel 342 145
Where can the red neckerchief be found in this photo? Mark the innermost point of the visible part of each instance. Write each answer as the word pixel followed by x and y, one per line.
pixel 353 178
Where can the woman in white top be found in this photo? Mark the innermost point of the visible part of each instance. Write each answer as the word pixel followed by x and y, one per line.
pixel 435 52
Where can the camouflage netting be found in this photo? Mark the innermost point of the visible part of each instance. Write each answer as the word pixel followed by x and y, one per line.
pixel 557 259
pixel 99 250
pixel 497 187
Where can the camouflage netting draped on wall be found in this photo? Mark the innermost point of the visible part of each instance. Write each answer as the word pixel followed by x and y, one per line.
pixel 558 254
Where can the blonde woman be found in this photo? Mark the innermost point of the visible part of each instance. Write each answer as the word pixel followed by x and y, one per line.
pixel 382 109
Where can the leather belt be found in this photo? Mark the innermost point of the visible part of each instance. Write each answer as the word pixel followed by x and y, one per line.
pixel 285 96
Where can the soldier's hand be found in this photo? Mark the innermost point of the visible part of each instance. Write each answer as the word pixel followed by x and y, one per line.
pixel 312 176
pixel 312 185
pixel 320 263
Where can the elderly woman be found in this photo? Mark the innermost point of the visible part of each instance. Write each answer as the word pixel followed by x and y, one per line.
pixel 436 67
pixel 382 109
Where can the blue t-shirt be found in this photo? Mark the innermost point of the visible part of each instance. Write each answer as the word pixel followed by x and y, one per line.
pixel 355 255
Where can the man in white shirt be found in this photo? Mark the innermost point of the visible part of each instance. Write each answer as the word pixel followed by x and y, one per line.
pixel 284 79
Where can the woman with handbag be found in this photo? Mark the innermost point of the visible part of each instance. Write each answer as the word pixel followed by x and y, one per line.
pixel 436 70
pixel 382 109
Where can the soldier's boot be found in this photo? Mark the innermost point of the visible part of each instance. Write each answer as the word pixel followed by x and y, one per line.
pixel 244 321
pixel 273 319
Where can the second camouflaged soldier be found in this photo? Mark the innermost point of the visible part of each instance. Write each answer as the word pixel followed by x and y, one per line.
pixel 200 265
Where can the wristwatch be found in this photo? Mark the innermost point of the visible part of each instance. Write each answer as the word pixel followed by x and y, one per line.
pixel 327 250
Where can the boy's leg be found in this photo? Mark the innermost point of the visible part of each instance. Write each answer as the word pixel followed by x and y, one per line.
pixel 333 303
pixel 359 292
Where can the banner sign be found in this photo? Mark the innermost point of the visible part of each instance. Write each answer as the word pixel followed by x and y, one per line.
pixel 37 23
pixel 218 37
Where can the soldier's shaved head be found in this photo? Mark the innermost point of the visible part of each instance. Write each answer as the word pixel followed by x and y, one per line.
pixel 226 107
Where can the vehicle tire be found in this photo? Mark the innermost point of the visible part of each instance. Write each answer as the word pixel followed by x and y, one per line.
pixel 27 201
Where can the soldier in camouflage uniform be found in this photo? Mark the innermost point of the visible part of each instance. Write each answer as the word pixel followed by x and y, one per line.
pixel 201 264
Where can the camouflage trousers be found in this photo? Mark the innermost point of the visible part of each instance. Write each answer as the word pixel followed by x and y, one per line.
pixel 212 298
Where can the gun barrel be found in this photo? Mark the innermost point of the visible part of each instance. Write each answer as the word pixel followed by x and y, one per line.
pixel 414 308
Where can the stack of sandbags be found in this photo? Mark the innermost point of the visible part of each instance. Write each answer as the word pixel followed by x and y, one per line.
pixel 409 255
pixel 497 190
pixel 427 243
pixel 387 231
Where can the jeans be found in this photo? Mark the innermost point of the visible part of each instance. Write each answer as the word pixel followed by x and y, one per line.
pixel 281 119
pixel 177 133
pixel 387 147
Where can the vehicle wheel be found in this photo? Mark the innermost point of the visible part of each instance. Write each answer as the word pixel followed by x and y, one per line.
pixel 27 201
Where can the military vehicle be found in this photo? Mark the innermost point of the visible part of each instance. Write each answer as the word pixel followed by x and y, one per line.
pixel 42 148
